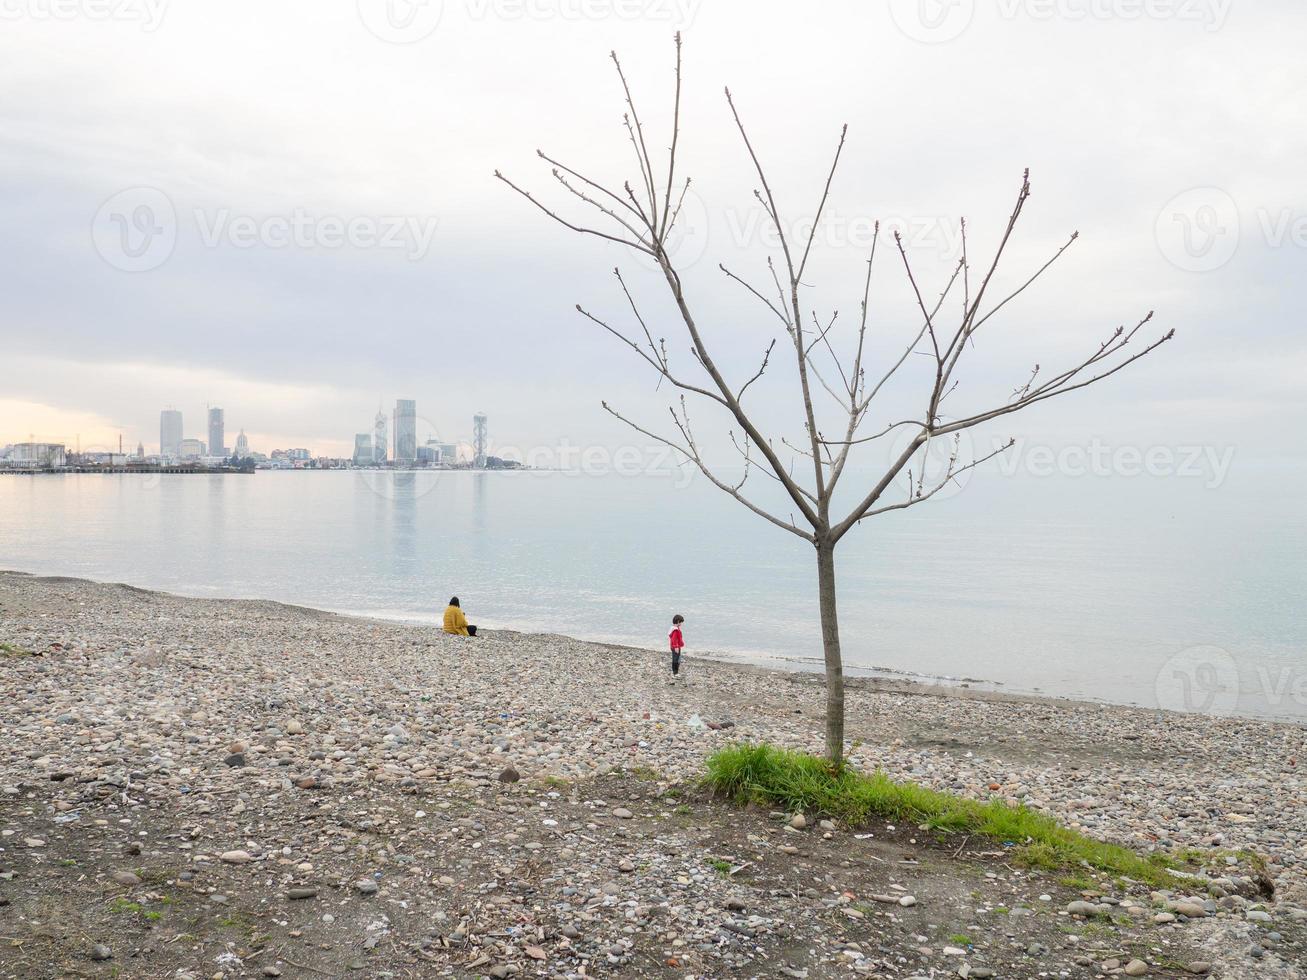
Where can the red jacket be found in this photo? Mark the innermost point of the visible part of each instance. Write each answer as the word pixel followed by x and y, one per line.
pixel 678 642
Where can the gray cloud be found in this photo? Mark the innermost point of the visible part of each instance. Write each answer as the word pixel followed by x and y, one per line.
pixel 250 118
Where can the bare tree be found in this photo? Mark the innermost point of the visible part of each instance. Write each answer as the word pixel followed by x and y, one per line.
pixel 641 216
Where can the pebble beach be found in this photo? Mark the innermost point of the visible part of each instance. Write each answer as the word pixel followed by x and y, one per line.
pixel 220 788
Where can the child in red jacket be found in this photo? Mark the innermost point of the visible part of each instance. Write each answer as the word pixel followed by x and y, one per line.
pixel 678 643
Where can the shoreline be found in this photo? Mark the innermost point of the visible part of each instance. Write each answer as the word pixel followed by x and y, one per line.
pixel 867 678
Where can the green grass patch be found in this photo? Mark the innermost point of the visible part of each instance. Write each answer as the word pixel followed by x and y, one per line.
pixel 798 782
pixel 9 650
pixel 720 866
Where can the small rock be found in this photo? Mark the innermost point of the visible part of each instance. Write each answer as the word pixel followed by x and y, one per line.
pixel 299 894
pixel 366 886
pixel 509 775
pixel 622 813
pixel 907 901
pixel 235 760
pixel 1086 909
pixel 235 857
pixel 798 821
pixel 126 878
pixel 101 952
pixel 1136 968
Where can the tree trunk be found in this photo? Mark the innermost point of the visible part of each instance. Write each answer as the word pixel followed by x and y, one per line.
pixel 830 642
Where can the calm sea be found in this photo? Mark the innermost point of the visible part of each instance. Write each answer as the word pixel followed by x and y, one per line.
pixel 1146 591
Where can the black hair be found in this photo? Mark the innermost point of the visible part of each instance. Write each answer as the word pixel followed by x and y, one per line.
pixel 454 601
pixel 677 619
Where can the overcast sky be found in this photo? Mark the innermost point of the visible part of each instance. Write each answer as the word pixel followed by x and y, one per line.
pixel 288 209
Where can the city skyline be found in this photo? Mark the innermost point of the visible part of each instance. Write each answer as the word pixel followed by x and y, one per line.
pixel 259 437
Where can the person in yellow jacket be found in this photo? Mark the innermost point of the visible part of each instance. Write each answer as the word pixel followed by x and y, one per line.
pixel 455 622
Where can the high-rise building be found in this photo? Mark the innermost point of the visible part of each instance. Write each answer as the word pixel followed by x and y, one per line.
pixel 170 433
pixel 379 439
pixel 363 449
pixel 217 435
pixel 438 453
pixel 480 440
pixel 242 446
pixel 406 431
pixel 140 450
pixel 191 449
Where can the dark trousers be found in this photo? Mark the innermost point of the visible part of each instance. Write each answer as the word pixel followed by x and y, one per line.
pixel 676 662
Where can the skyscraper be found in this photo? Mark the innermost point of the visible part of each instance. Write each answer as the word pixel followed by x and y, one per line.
pixel 379 439
pixel 406 430
pixel 480 440
pixel 242 446
pixel 217 437
pixel 170 433
pixel 362 449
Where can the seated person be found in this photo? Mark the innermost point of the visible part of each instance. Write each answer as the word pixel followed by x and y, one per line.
pixel 455 622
